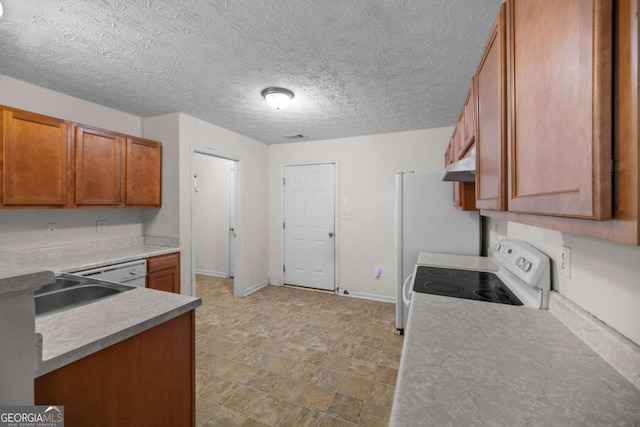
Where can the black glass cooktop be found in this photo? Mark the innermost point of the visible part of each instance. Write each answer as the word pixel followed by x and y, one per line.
pixel 476 285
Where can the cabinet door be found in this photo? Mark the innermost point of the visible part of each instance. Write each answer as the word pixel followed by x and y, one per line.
pixel 163 273
pixel 98 167
pixel 145 380
pixel 143 172
pixel 560 77
pixel 491 128
pixel 469 121
pixel 35 155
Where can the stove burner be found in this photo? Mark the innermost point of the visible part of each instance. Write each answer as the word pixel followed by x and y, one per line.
pixel 467 284
pixel 445 287
pixel 492 295
pixel 437 272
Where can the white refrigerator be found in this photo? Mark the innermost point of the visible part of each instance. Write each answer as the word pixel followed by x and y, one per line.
pixel 426 221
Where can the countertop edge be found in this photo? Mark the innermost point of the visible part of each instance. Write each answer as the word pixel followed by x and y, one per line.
pixel 25 282
pixel 49 365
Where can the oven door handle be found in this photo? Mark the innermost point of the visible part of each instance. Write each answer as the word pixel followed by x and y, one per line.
pixel 406 290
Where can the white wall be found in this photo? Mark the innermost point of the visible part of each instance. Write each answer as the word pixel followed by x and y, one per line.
pixel 25 228
pixel 605 276
pixel 252 194
pixel 165 222
pixel 211 215
pixel 366 175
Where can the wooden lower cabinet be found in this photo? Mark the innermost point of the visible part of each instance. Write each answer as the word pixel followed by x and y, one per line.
pixel 145 380
pixel 163 273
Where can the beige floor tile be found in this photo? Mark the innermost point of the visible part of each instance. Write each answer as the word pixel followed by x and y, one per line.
pixel 240 373
pixel 247 355
pixel 315 397
pixel 300 416
pixel 355 387
pixel 302 371
pixel 281 365
pixel 345 407
pixel 382 394
pixel 204 410
pixel 264 381
pixel 361 368
pixel 329 421
pixel 375 415
pixel 288 389
pixel 285 356
pixel 372 342
pixel 368 354
pixel 224 417
pixel 314 357
pixel 271 410
pixel 386 375
pixel 245 401
pixel 253 423
pixel 326 378
pixel 337 362
pixel 214 389
pixel 218 347
pixel 389 360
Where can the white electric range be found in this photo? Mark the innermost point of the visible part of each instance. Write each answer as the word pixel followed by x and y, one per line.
pixel 516 273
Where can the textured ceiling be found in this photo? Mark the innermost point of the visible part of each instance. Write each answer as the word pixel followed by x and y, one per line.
pixel 357 67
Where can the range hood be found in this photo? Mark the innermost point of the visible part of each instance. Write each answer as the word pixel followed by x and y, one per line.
pixel 463 170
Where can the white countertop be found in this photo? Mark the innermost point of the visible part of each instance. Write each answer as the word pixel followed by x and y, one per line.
pixel 470 362
pixel 67 336
pixel 73 262
pixel 73 334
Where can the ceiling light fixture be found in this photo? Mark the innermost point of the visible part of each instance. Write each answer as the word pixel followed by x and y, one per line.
pixel 0 10
pixel 277 97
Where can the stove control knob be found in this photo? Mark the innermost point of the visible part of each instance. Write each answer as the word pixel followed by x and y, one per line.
pixel 526 266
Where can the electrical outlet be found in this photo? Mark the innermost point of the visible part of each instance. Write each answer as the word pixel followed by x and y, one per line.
pixel 50 228
pixel 565 261
pixel 101 226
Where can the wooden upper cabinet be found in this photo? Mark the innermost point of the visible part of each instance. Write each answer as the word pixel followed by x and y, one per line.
pixel 469 121
pixel 35 158
pixel 560 91
pixel 98 167
pixel 143 172
pixel 491 129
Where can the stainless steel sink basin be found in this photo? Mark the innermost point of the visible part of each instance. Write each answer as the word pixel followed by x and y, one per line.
pixel 70 291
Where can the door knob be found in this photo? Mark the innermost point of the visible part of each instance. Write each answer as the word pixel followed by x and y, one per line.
pixel 232 229
pixel 330 234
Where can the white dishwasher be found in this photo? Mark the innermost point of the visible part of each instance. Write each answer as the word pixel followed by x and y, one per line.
pixel 131 273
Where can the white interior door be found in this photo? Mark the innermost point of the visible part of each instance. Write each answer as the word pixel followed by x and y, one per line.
pixel 309 225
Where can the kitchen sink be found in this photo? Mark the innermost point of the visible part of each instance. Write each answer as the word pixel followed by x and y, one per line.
pixel 70 291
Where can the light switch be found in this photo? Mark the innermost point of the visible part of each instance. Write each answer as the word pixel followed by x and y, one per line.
pixel 345 201
pixel 345 214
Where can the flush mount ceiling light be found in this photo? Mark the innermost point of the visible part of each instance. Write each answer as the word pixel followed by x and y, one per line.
pixel 277 97
pixel 0 10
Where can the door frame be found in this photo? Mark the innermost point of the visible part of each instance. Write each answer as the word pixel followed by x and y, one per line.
pixel 238 289
pixel 336 218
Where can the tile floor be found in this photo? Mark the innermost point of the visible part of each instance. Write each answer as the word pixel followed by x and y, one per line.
pixel 293 357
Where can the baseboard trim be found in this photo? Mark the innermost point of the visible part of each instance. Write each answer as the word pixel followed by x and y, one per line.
pixel 211 273
pixel 372 297
pixel 255 288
